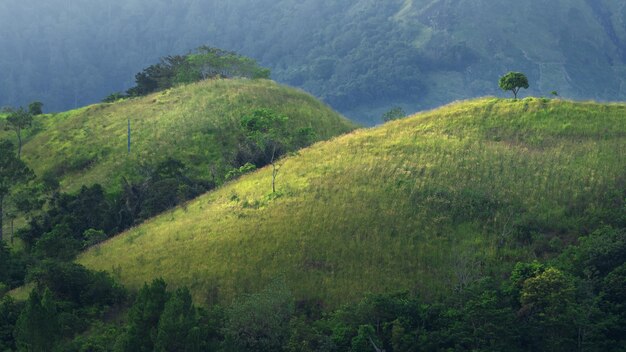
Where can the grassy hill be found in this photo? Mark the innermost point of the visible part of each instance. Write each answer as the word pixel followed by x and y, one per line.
pixel 197 124
pixel 425 204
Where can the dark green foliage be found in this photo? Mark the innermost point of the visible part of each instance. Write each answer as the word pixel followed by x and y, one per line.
pixel 13 171
pixel 177 325
pixel 143 318
pixel 164 186
pixel 207 62
pixel 204 63
pixel 549 307
pixel 37 328
pixel 364 341
pixel 66 299
pixel 393 114
pixel 113 97
pixel 552 306
pixel 73 283
pixel 163 321
pixel 513 81
pixel 72 222
pixel 260 322
pixel 93 237
pixel 101 338
pixel 35 108
pixel 9 312
pixel 598 253
pixel 12 268
pixel 57 244
pixel 236 172
pixel 306 336
pixel 68 217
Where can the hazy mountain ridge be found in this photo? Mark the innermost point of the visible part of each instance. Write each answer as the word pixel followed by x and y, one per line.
pixel 361 57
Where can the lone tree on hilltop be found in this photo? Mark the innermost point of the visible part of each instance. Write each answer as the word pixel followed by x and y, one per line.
pixel 35 108
pixel 513 81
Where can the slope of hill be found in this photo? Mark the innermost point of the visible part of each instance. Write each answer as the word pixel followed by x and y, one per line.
pixel 360 56
pixel 427 204
pixel 197 124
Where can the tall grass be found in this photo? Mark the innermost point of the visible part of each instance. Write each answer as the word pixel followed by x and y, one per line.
pixel 423 204
pixel 197 124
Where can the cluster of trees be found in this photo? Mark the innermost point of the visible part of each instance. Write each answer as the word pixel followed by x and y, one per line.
pixel 62 224
pixel 574 302
pixel 203 63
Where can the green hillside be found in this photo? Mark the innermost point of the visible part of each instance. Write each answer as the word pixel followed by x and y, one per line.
pixel 426 204
pixel 197 124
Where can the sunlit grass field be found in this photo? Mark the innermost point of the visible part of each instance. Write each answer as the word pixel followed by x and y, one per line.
pixel 425 204
pixel 197 124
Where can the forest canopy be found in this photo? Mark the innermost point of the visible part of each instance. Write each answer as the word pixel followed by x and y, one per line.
pixel 203 63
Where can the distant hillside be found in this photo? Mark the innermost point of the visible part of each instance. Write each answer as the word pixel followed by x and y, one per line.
pixel 426 204
pixel 360 56
pixel 198 125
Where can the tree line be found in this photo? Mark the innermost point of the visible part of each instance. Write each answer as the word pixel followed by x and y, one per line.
pixel 203 63
pixel 574 302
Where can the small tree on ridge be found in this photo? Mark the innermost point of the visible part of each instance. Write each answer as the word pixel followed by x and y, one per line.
pixel 17 121
pixel 513 81
pixel 267 130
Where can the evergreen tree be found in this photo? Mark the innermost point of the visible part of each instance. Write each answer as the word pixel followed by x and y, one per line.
pixel 37 328
pixel 143 318
pixel 177 323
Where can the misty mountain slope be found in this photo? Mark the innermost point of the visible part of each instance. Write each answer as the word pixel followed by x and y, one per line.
pixel 360 56
pixel 425 204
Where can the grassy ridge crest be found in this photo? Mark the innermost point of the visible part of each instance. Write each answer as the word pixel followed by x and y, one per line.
pixel 197 124
pixel 425 204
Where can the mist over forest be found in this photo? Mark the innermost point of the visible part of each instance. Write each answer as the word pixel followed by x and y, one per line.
pixel 360 56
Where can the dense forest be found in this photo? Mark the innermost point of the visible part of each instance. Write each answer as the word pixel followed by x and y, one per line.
pixel 575 302
pixel 361 57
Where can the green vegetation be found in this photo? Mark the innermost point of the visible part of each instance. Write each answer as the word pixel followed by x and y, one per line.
pixel 196 124
pixel 513 81
pixel 203 63
pixel 13 171
pixel 361 58
pixel 56 221
pixel 428 204
pixel 35 108
pixel 186 141
pixel 484 225
pixel 393 114
pixel 574 301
